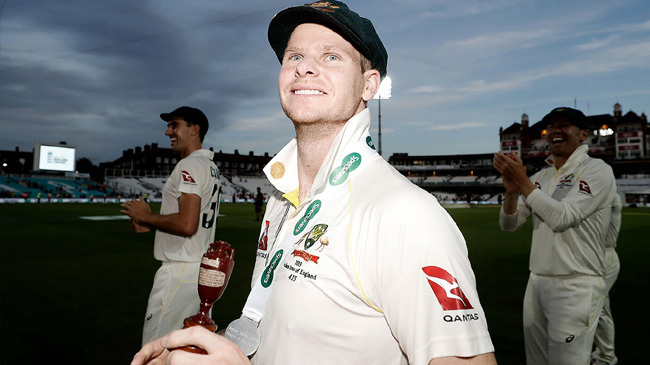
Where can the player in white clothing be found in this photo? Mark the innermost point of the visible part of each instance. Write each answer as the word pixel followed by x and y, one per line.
pixel 185 226
pixel 571 206
pixel 604 353
pixel 365 268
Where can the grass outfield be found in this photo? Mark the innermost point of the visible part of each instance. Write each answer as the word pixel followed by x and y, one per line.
pixel 75 290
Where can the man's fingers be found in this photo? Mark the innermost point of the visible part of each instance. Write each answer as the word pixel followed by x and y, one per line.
pixel 150 354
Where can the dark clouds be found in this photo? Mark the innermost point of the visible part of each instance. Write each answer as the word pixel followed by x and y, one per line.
pixel 97 73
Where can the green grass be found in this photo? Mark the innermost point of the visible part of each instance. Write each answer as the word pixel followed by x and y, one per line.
pixel 75 290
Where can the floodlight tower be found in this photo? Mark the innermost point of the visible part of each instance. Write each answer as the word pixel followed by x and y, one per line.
pixel 384 92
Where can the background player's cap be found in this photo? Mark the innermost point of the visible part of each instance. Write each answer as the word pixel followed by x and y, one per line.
pixel 338 17
pixel 575 116
pixel 190 115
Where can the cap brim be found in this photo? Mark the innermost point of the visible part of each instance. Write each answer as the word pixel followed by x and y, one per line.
pixel 166 116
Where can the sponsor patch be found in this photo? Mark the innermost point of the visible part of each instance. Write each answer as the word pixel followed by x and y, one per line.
pixel 446 289
pixel 187 177
pixel 305 256
pixel 264 239
pixel 310 212
pixel 267 275
pixel 584 188
pixel 370 143
pixel 349 164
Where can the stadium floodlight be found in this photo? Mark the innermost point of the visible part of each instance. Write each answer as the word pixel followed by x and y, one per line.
pixel 384 92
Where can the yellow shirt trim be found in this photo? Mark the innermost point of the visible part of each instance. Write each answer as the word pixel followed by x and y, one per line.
pixel 293 197
pixel 354 269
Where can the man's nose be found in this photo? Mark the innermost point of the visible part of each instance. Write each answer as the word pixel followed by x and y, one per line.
pixel 307 67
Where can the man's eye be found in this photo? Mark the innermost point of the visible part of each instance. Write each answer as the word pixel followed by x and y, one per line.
pixel 295 57
pixel 332 57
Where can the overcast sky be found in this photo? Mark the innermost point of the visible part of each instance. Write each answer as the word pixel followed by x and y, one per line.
pixel 97 74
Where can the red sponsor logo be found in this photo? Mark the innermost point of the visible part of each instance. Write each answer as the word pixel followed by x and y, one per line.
pixel 264 239
pixel 539 186
pixel 305 256
pixel 584 187
pixel 446 289
pixel 187 177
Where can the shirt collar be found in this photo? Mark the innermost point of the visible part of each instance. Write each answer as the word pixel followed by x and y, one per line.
pixel 282 170
pixel 576 158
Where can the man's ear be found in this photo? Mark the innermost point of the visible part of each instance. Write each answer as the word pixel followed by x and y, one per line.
pixel 584 134
pixel 195 130
pixel 373 79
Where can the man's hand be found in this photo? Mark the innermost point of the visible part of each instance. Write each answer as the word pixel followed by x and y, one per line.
pixel 137 209
pixel 139 228
pixel 219 350
pixel 513 172
pixel 152 353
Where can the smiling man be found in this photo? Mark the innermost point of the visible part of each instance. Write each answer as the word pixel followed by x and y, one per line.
pixel 571 202
pixel 347 269
pixel 185 225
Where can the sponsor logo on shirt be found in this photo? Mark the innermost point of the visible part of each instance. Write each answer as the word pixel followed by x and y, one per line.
pixel 311 211
pixel 370 143
pixel 446 289
pixel 264 239
pixel 305 256
pixel 349 164
pixel 267 275
pixel 187 177
pixel 584 188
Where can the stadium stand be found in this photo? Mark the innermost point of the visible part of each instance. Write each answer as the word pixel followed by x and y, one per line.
pixel 58 187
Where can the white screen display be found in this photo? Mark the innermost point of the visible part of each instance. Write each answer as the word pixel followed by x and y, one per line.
pixel 56 158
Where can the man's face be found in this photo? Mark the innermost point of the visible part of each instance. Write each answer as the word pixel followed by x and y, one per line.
pixel 563 137
pixel 179 134
pixel 321 79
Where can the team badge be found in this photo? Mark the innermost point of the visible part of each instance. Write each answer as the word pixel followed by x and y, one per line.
pixel 446 289
pixel 187 177
pixel 314 235
pixel 324 6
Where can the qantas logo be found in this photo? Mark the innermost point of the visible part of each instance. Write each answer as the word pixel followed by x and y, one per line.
pixel 187 177
pixel 584 188
pixel 446 289
pixel 264 239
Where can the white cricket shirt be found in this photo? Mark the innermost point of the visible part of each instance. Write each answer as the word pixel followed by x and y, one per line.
pixel 195 174
pixel 571 210
pixel 377 272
